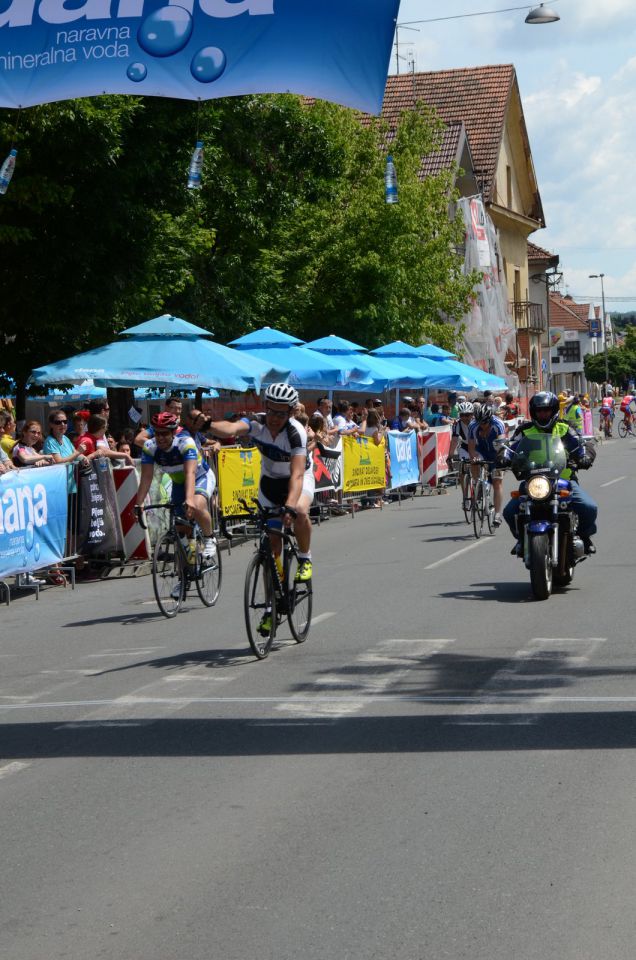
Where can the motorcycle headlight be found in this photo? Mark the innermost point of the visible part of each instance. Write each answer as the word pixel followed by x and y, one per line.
pixel 539 488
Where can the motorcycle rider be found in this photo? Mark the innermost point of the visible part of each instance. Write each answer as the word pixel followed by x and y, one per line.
pixel 544 418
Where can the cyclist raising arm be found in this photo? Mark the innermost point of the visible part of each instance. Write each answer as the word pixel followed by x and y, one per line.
pixel 286 473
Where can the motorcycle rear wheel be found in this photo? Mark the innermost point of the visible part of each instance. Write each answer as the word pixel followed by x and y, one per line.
pixel 540 566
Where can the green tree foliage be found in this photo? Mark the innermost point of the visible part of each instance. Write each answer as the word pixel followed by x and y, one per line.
pixel 96 228
pixel 305 240
pixel 621 361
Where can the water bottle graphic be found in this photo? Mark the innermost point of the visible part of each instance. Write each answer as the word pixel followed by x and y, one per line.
pixel 191 552
pixel 248 470
pixel 102 464
pixel 390 181
pixel 194 173
pixel 6 171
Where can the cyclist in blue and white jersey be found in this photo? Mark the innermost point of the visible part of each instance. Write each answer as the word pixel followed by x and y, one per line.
pixel 193 481
pixel 483 431
pixel 286 470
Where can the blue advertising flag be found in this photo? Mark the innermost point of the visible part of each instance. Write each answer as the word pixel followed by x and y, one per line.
pixel 33 511
pixel 336 50
pixel 404 462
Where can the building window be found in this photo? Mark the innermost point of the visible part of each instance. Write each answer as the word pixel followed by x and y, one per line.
pixel 570 351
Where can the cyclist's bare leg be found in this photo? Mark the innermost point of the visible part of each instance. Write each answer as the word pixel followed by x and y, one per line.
pixel 497 493
pixel 201 514
pixel 302 524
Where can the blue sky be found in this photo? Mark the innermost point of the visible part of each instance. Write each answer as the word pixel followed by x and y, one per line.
pixel 577 79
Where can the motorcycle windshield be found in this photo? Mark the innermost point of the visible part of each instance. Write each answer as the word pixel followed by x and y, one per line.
pixel 541 454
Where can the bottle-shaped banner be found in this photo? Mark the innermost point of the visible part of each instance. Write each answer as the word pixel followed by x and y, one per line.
pixel 196 163
pixel 6 171
pixel 390 181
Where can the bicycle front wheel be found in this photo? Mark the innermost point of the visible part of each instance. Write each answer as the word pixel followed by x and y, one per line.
pixel 300 601
pixel 168 580
pixel 489 509
pixel 467 492
pixel 478 509
pixel 259 602
pixel 209 575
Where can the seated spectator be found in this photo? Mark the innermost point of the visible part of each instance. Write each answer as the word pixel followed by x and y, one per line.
pixel 90 444
pixel 435 417
pixel 25 452
pixel 7 431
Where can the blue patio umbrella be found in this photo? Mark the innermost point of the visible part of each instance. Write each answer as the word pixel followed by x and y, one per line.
pixel 178 356
pixel 469 377
pixel 309 369
pixel 429 373
pixel 433 352
pixel 386 374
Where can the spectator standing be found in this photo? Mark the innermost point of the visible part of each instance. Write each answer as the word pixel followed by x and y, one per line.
pixel 7 431
pixel 510 409
pixel 324 407
pixel 5 462
pixel 25 452
pixel 343 421
pixel 60 448
pixel 91 446
pixel 174 405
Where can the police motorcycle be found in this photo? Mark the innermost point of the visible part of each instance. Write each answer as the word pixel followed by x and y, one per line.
pixel 547 526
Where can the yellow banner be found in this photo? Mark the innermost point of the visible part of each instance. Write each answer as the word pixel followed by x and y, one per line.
pixel 239 478
pixel 363 464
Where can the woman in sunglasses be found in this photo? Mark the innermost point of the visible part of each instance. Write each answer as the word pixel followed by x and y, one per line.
pixel 60 447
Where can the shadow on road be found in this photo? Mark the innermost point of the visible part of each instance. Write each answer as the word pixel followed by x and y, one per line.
pixel 612 730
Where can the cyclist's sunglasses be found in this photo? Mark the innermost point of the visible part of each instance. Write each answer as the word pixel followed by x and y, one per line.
pixel 279 414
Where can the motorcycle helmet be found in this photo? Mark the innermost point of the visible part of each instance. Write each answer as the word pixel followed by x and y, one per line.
pixel 282 393
pixel 544 410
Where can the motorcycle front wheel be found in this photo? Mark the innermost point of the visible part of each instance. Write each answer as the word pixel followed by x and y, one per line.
pixel 540 566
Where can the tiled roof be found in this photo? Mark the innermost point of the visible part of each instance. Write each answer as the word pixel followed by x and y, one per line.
pixel 563 315
pixel 538 253
pixel 448 153
pixel 477 95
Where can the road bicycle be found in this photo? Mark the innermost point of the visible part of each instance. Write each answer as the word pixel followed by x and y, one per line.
pixel 271 593
pixel 178 562
pixel 627 427
pixel 482 507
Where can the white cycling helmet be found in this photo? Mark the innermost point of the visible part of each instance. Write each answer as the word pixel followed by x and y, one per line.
pixel 282 393
pixel 465 407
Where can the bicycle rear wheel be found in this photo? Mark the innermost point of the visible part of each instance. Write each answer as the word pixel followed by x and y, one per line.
pixel 259 601
pixel 168 579
pixel 622 429
pixel 478 509
pixel 300 602
pixel 209 575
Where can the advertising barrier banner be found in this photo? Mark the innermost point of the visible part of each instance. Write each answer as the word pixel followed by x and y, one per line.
pixel 434 448
pixel 363 466
pixel 405 469
pixel 327 470
pixel 99 529
pixel 195 49
pixel 33 518
pixel 239 478
pixel 136 539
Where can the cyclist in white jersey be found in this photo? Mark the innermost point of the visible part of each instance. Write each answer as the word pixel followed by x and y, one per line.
pixel 286 471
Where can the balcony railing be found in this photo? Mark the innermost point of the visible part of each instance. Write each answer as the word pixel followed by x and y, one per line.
pixel 528 316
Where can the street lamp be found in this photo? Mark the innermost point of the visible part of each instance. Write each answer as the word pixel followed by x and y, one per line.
pixel 599 276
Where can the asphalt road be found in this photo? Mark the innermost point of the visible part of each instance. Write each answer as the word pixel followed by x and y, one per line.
pixel 444 769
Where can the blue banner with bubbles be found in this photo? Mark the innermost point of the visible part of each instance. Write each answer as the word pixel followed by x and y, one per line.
pixel 405 468
pixel 33 511
pixel 337 50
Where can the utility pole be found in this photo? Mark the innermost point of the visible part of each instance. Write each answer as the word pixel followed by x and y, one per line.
pixel 599 276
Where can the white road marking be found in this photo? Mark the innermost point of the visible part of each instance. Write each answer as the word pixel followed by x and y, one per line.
pixel 370 674
pixel 94 724
pixel 13 767
pixel 490 698
pixel 322 616
pixel 458 553
pixel 610 482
